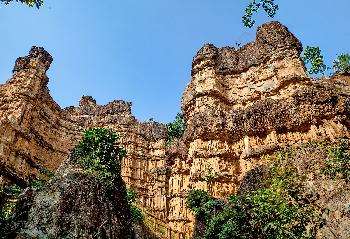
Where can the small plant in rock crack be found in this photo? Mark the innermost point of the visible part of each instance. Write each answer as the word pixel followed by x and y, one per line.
pixel 99 153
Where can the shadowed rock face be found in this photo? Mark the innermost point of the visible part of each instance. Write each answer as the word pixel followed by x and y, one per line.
pixel 75 205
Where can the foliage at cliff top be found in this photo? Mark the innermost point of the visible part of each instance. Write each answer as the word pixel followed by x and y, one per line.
pixel 269 6
pixel 312 56
pixel 98 153
pixel 342 64
pixel 30 3
pixel 176 128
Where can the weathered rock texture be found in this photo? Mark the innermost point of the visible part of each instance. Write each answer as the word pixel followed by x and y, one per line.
pixel 33 134
pixel 76 205
pixel 37 135
pixel 239 105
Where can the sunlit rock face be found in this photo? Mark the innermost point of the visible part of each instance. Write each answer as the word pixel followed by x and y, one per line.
pixel 247 102
pixel 244 102
pixel 33 134
pixel 36 135
pixel 240 104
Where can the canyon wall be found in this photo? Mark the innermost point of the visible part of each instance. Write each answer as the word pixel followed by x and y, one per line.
pixel 36 135
pixel 247 102
pixel 33 134
pixel 240 104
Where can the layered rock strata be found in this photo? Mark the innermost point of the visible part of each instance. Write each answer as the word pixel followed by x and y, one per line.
pixel 33 134
pixel 247 102
pixel 36 135
pixel 240 104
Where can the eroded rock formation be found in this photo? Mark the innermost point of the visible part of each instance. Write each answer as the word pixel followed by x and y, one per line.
pixel 75 205
pixel 240 104
pixel 33 134
pixel 246 102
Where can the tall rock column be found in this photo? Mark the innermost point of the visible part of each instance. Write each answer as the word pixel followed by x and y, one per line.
pixel 245 102
pixel 33 137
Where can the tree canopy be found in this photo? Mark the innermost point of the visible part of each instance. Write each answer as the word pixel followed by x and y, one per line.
pixel 30 3
pixel 269 6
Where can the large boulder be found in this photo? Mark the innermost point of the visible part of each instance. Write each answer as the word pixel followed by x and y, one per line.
pixel 74 204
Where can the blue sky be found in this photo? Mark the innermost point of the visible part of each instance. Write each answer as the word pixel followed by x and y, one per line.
pixel 141 51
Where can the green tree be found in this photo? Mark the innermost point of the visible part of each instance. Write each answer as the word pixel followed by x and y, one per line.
pixel 30 3
pixel 269 6
pixel 281 209
pixel 312 57
pixel 342 64
pixel 203 205
pixel 98 153
pixel 176 128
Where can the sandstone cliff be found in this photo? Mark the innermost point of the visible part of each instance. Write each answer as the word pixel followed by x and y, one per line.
pixel 247 102
pixel 240 104
pixel 33 135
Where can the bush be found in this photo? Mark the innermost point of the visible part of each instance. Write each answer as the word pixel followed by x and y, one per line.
pixel 175 129
pixel 203 205
pixel 280 210
pixel 233 222
pixel 99 153
pixel 136 213
pixel 338 164
pixel 342 64
pixel 8 196
pixel 312 56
